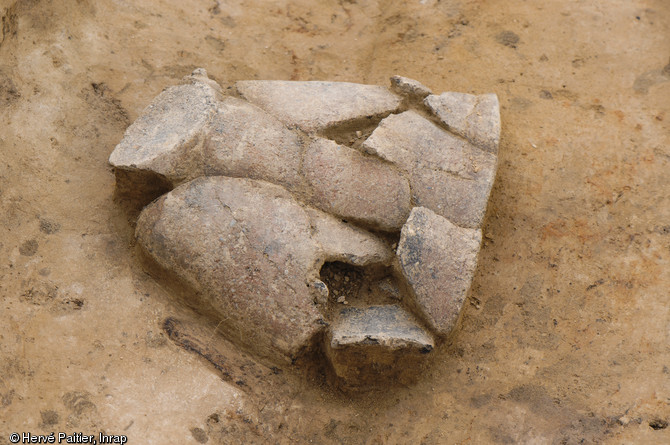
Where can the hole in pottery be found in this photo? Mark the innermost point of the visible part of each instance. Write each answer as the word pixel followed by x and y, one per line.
pixel 658 424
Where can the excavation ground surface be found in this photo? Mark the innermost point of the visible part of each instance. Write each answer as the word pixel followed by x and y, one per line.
pixel 566 335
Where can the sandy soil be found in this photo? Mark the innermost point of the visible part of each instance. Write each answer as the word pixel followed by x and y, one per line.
pixel 566 337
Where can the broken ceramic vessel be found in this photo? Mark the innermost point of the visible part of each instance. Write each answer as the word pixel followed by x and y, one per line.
pixel 327 216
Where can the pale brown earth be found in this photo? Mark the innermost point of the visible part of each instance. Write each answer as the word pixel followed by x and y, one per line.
pixel 566 336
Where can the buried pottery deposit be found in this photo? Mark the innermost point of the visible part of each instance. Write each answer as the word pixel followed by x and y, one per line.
pixel 316 216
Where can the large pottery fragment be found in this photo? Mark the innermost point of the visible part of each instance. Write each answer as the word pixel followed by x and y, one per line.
pixel 386 340
pixel 476 118
pixel 166 140
pixel 438 259
pixel 355 187
pixel 244 248
pixel 447 174
pixel 297 242
pixel 315 106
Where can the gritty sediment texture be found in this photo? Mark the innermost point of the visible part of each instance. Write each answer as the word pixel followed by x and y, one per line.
pixel 564 338
pixel 266 205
